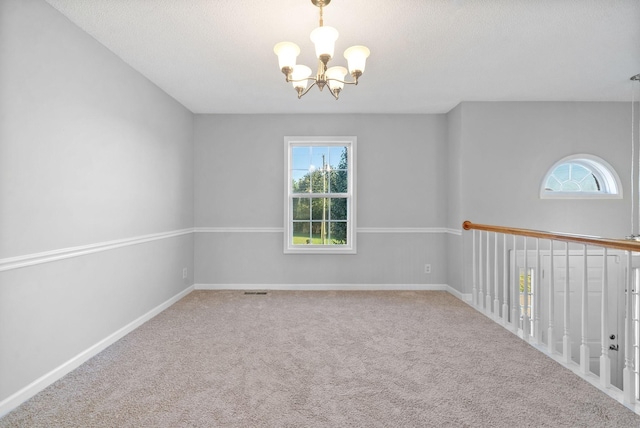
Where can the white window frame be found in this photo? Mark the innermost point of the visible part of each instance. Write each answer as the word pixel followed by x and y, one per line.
pixel 306 141
pixel 611 186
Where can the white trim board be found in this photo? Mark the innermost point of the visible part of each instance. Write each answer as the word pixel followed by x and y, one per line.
pixel 26 260
pixel 41 383
pixel 465 297
pixel 66 253
pixel 238 229
pixel 412 230
pixel 327 287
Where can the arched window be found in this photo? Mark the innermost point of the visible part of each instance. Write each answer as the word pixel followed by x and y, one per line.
pixel 581 177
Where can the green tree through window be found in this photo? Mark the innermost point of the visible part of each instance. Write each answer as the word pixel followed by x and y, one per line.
pixel 320 195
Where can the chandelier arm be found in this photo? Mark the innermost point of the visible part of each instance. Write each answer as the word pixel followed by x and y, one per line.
pixel 302 80
pixel 355 82
pixel 332 92
pixel 302 94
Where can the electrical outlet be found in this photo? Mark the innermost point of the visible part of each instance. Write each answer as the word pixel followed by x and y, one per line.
pixel 184 273
pixel 427 268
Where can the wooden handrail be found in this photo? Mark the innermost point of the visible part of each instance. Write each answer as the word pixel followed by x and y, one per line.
pixel 618 244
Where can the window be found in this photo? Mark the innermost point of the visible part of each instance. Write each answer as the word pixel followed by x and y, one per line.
pixel 581 177
pixel 320 184
pixel 531 289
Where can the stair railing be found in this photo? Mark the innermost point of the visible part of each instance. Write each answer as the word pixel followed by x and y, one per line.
pixel 532 297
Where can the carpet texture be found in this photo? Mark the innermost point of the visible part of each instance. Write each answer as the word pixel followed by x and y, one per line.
pixel 320 359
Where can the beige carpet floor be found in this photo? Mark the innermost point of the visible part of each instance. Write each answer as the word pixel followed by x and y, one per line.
pixel 320 359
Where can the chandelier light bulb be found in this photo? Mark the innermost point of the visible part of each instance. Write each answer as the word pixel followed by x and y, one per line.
pixel 287 53
pixel 336 73
pixel 299 76
pixel 356 57
pixel 324 39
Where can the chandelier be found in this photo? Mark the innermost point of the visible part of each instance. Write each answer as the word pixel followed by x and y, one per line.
pixel 324 39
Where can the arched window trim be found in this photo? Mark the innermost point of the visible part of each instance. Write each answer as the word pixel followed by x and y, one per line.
pixel 607 177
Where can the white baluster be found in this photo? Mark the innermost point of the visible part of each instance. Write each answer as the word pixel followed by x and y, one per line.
pixel 584 348
pixel 515 287
pixel 487 305
pixel 525 309
pixel 536 296
pixel 496 279
pixel 605 361
pixel 480 295
pixel 551 340
pixel 505 281
pixel 628 381
pixel 474 296
pixel 566 338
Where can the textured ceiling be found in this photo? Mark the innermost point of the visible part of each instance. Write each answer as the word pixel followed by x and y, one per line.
pixel 216 56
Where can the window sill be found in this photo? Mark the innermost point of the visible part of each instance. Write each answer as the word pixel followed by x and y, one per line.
pixel 579 195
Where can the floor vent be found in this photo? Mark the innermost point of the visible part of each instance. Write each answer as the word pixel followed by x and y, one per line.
pixel 255 292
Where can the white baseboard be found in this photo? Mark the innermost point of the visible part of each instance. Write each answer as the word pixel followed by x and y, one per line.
pixel 41 383
pixel 332 287
pixel 465 297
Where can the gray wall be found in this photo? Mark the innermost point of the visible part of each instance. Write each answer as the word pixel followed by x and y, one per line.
pixel 506 148
pixel 454 197
pixel 90 151
pixel 239 182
